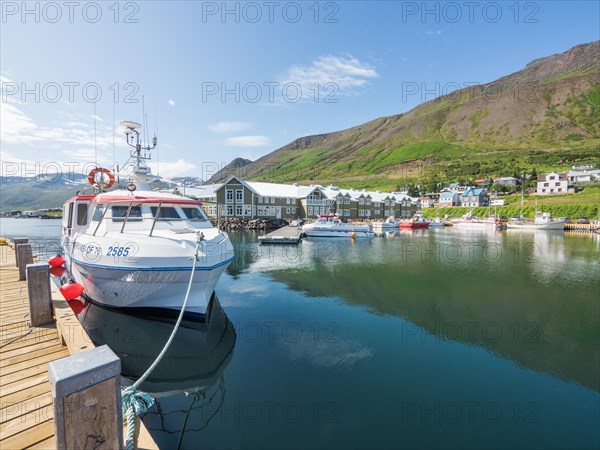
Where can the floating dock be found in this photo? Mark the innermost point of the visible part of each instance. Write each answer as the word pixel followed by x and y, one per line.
pixel 582 227
pixel 286 235
pixel 26 404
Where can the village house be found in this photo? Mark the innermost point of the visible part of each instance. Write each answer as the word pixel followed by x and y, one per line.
pixel 507 181
pixel 449 199
pixel 250 200
pixel 552 183
pixel 474 197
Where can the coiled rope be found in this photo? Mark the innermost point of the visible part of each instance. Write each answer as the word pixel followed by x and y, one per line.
pixel 135 403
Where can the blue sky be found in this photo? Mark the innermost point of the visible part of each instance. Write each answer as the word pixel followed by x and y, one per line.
pixel 296 68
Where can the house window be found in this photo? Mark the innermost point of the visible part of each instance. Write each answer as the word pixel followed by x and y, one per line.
pixel 347 201
pixel 361 213
pixel 229 210
pixel 229 196
pixel 310 211
pixel 367 201
pixel 247 210
pixel 239 195
pixel 293 210
pixel 557 184
pixel 361 201
pixel 377 212
pixel 368 213
pixel 272 199
pixel 287 210
pixel 238 210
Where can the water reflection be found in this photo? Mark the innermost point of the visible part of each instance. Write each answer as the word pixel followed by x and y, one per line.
pixel 529 297
pixel 188 384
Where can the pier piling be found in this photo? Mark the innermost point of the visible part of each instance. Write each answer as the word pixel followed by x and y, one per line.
pixel 86 392
pixel 40 295
pixel 16 242
pixel 24 257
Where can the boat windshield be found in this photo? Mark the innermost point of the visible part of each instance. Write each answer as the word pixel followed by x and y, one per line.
pixel 120 212
pixel 194 214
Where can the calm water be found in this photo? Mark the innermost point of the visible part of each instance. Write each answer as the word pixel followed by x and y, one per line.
pixel 437 339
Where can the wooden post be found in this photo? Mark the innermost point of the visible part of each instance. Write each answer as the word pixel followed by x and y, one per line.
pixel 24 257
pixel 86 392
pixel 40 297
pixel 16 242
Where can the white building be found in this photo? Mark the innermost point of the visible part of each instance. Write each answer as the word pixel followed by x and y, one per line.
pixel 552 183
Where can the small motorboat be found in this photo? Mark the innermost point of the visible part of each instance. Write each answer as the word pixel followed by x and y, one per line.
pixel 330 225
pixel 418 221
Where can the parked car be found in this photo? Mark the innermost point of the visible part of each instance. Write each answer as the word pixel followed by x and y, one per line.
pixel 583 220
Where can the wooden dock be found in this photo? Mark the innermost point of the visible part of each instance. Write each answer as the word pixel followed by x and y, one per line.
pixel 26 409
pixel 582 227
pixel 285 235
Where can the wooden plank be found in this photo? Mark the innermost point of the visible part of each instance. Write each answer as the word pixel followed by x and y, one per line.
pixel 25 417
pixel 10 410
pixel 48 444
pixel 26 356
pixel 23 384
pixel 60 352
pixel 38 433
pixel 26 394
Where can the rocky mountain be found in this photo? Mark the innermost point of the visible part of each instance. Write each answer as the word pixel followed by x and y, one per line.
pixel 548 113
pixel 235 167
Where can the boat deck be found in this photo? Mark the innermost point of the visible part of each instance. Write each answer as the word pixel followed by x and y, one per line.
pixel 285 235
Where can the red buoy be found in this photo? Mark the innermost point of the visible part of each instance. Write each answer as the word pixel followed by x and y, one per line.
pixel 57 271
pixel 71 291
pixel 56 261
pixel 77 306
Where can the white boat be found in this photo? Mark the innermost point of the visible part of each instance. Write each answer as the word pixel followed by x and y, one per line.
pixel 542 221
pixel 133 248
pixel 332 226
pixel 467 221
pixel 388 224
pixel 437 223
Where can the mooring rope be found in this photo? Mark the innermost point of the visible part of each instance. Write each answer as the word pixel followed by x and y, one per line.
pixel 135 403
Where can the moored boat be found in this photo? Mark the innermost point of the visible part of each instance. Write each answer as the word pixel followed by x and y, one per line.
pixel 134 247
pixel 467 221
pixel 388 224
pixel 332 226
pixel 437 223
pixel 542 221
pixel 418 221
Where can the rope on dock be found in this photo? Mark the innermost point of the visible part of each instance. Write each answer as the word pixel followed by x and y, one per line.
pixel 136 403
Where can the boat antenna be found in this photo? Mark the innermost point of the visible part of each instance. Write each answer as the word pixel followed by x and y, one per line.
pixel 133 140
pixel 113 136
pixel 95 144
pixel 156 131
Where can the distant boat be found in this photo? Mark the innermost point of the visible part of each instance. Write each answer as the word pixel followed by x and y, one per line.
pixel 437 223
pixel 542 221
pixel 388 224
pixel 467 221
pixel 332 226
pixel 419 221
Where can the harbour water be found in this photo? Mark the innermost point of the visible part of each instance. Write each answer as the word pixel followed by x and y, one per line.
pixel 433 339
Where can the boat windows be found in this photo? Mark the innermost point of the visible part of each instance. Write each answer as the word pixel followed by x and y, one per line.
pixel 82 212
pixel 120 212
pixel 98 213
pixel 194 214
pixel 166 212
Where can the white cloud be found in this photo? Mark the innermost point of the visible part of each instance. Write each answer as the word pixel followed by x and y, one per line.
pixel 229 127
pixel 169 169
pixel 346 72
pixel 171 102
pixel 247 141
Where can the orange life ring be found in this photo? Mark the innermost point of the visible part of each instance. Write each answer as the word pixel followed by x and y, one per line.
pixel 92 177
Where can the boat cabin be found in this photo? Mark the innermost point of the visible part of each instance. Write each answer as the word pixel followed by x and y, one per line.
pixel 127 214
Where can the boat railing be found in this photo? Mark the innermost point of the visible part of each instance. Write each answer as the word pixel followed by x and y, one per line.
pixel 156 217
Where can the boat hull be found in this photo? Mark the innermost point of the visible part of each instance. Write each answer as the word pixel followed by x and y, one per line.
pixel 536 226
pixel 414 225
pixel 339 233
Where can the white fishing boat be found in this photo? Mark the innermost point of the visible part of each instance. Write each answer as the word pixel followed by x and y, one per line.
pixel 388 224
pixel 437 223
pixel 134 247
pixel 467 221
pixel 542 221
pixel 332 226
